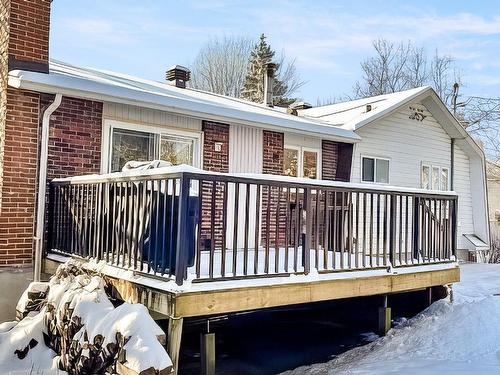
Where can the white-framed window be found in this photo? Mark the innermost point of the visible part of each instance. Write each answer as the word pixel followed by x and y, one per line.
pixel 142 143
pixel 375 169
pixel 434 177
pixel 302 162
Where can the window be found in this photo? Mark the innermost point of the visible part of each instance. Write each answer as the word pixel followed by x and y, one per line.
pixel 129 145
pixel 301 162
pixel 375 170
pixel 434 177
pixel 172 145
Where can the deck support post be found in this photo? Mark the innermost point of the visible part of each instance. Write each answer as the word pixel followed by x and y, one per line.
pixel 384 318
pixel 174 336
pixel 429 296
pixel 207 351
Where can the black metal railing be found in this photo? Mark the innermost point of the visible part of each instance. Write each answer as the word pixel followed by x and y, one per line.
pixel 213 226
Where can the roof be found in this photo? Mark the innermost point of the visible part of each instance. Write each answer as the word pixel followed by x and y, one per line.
pixel 353 114
pixel 109 86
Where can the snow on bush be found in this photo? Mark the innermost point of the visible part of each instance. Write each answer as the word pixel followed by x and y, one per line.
pixel 70 326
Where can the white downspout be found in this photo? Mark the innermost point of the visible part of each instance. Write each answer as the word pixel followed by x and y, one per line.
pixel 42 186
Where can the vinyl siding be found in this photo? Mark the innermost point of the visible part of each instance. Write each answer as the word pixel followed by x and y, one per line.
pixel 146 116
pixel 409 144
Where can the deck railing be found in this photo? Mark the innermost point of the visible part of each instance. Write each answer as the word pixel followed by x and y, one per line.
pixel 212 226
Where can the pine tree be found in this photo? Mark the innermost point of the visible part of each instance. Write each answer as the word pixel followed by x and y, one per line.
pixel 253 89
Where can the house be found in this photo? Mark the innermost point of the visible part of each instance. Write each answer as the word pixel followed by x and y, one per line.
pixel 261 207
pixel 493 175
pixel 411 139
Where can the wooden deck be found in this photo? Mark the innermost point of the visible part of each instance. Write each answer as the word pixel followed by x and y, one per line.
pixel 225 297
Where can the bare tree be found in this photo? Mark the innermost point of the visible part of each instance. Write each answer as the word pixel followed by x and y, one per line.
pixel 403 66
pixel 221 65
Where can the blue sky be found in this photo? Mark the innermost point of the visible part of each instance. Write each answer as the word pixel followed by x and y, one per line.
pixel 327 38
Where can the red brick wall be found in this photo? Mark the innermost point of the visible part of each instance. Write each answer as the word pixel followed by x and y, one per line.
pixel 273 152
pixel 329 158
pixel 29 31
pixel 19 178
pixel 75 138
pixel 216 161
pixel 214 132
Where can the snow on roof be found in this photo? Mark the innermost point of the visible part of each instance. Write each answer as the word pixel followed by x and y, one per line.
pixel 116 87
pixel 353 114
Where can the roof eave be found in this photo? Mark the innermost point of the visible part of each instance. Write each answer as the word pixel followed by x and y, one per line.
pixel 102 92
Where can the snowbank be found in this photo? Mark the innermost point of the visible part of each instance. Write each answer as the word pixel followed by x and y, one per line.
pixel 70 323
pixel 462 337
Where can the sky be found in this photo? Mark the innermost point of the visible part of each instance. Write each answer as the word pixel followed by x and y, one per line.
pixel 327 39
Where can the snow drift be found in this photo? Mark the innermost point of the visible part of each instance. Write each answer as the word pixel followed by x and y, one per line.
pixel 462 337
pixel 70 326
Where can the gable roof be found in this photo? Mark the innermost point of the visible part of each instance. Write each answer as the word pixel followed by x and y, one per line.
pixel 109 86
pixel 353 114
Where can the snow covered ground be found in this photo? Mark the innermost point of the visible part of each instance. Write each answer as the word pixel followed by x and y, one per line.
pixel 462 337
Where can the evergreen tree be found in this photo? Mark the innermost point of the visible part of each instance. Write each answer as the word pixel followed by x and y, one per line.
pixel 253 89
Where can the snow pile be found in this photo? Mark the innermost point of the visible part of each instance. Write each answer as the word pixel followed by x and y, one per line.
pixel 76 328
pixel 462 337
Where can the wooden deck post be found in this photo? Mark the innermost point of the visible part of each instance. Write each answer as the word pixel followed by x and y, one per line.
pixel 207 353
pixel 174 341
pixel 384 318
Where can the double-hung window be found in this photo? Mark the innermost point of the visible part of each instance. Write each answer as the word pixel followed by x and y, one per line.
pixel 375 169
pixel 434 177
pixel 301 162
pixel 174 146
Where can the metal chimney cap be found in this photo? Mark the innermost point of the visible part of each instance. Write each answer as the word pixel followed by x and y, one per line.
pixel 178 75
pixel 300 105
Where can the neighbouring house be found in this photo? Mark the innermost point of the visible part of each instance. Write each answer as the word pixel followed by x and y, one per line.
pixel 411 139
pixel 493 175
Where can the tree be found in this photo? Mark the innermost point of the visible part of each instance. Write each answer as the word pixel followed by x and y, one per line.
pixel 221 65
pixel 286 80
pixel 403 66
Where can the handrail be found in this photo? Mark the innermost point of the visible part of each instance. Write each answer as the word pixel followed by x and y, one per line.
pixel 191 172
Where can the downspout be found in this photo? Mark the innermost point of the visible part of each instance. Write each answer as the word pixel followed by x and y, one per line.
pixel 42 186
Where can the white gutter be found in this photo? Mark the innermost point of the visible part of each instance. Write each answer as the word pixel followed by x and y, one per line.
pixel 42 186
pixel 81 88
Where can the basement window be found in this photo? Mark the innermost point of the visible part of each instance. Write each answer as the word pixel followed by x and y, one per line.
pixel 375 170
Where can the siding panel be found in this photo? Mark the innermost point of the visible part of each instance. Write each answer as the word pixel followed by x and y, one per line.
pixel 409 143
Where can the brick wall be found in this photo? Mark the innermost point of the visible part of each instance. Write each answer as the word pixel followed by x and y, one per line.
pixel 19 177
pixel 216 161
pixel 273 152
pixel 29 34
pixel 329 158
pixel 75 138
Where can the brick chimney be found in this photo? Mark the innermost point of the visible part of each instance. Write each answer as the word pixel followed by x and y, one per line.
pixel 26 34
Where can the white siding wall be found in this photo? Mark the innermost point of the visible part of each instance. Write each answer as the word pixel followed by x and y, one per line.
pixel 245 149
pixel 146 116
pixel 409 143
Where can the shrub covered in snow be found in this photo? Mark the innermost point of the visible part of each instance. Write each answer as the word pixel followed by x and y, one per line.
pixel 69 325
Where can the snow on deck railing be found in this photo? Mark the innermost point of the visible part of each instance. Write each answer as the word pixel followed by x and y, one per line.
pixel 165 172
pixel 184 222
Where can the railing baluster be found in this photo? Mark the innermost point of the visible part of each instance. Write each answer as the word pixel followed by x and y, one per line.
pixel 267 229
pixel 212 236
pixel 224 228
pixel 335 234
pixel 235 227
pixel 288 225
pixel 198 236
pixel 257 230
pixel 277 232
pixel 247 224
